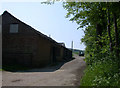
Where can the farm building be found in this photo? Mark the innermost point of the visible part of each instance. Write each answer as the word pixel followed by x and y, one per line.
pixel 23 45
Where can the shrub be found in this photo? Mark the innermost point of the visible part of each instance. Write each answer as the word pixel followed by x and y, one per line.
pixel 103 73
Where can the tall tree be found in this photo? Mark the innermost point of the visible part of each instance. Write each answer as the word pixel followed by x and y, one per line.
pixel 108 26
pixel 97 15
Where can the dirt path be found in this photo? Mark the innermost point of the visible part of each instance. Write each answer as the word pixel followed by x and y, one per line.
pixel 68 75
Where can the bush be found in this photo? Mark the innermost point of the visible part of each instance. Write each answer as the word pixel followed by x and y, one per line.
pixel 103 73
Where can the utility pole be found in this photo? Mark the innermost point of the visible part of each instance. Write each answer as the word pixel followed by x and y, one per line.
pixel 72 46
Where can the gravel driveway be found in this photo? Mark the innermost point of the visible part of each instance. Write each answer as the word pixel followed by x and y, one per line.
pixel 68 74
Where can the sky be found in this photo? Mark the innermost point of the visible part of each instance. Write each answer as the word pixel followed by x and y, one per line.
pixel 48 19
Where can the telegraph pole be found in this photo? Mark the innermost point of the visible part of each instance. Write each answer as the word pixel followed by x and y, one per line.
pixel 72 46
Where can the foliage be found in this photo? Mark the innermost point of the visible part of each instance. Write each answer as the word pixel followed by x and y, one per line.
pixel 101 24
pixel 102 74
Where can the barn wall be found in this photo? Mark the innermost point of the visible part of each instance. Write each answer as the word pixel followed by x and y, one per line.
pixel 43 54
pixel 28 47
pixel 25 47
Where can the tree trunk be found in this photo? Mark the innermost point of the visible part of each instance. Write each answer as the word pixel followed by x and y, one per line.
pixel 99 33
pixel 108 28
pixel 116 35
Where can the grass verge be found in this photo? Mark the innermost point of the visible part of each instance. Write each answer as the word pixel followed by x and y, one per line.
pixel 105 73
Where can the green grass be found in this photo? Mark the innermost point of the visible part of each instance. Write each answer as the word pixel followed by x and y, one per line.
pixel 102 74
pixel 76 53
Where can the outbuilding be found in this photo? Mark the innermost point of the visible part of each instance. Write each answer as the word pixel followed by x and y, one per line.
pixel 23 45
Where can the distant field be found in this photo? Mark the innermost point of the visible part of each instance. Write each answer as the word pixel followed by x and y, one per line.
pixel 76 53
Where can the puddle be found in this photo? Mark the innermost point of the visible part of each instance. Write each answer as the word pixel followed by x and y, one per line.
pixel 16 80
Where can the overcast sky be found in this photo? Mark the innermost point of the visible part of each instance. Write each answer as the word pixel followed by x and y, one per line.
pixel 48 19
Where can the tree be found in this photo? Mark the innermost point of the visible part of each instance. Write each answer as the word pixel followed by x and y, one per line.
pixel 84 14
pixel 102 22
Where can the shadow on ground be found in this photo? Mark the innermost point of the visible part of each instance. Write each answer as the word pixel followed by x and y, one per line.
pixel 50 68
